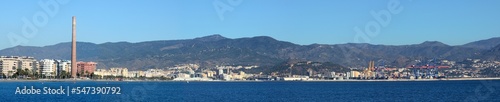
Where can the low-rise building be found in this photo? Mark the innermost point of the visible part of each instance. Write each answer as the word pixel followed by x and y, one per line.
pixel 154 73
pixel 136 74
pixel 85 68
pixel 355 74
pixel 123 72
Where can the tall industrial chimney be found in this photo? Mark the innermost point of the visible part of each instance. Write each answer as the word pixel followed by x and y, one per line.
pixel 73 50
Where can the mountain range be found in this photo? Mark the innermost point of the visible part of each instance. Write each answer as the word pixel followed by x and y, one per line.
pixel 260 50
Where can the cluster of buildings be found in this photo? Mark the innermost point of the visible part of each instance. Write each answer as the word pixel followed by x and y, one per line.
pixel 478 63
pixel 236 67
pixel 472 68
pixel 440 69
pixel 113 72
pixel 125 73
pixel 9 65
pixel 192 72
pixel 180 72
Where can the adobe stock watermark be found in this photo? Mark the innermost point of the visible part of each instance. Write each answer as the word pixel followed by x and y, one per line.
pixel 40 19
pixel 223 7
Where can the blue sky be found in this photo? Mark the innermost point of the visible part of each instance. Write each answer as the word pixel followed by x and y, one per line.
pixel 453 22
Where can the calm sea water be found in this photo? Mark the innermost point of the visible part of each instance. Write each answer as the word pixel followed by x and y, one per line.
pixel 269 91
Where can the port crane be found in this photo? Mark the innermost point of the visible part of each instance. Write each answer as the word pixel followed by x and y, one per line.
pixel 430 70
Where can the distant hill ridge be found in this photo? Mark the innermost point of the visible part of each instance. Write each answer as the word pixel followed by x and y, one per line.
pixel 484 44
pixel 261 50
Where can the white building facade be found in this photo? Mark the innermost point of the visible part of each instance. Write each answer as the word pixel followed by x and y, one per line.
pixel 48 67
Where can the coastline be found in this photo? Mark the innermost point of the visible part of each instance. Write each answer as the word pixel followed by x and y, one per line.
pixel 349 80
pixel 393 80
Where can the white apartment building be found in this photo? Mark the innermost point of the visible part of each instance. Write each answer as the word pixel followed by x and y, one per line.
pixel 63 65
pixel 48 67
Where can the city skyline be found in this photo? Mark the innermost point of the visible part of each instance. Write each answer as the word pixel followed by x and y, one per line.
pixel 300 22
pixel 250 50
